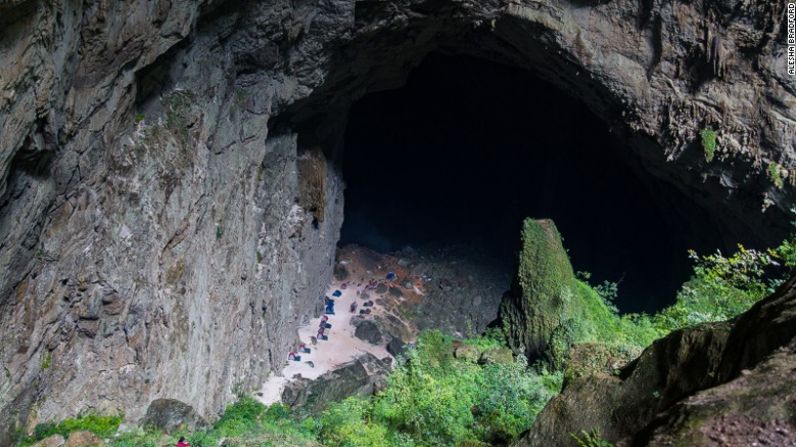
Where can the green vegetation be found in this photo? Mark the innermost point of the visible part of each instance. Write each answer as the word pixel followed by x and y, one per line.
pixel 558 310
pixel 46 361
pixel 178 109
pixel 43 255
pixel 102 426
pixel 774 173
pixel 259 256
pixel 564 311
pixel 432 399
pixel 219 232
pixel 590 439
pixel 724 287
pixel 440 394
pixel 708 137
pixel 139 117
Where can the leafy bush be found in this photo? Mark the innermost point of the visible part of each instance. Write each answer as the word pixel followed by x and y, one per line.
pixel 608 291
pixel 433 398
pixel 774 173
pixel 723 287
pixel 708 137
pixel 240 417
pixel 348 423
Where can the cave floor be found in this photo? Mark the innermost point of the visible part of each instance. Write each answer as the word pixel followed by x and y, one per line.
pixel 361 275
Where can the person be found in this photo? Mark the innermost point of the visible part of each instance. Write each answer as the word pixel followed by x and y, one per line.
pixel 183 443
pixel 353 307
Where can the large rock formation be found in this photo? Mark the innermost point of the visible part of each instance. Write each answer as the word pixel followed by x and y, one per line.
pixel 548 309
pixel 169 198
pixel 363 376
pixel 541 301
pixel 715 384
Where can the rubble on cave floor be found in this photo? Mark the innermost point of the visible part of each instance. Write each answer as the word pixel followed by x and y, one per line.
pixel 360 277
pixel 394 296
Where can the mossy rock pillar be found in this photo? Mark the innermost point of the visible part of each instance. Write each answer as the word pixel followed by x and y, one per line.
pixel 540 301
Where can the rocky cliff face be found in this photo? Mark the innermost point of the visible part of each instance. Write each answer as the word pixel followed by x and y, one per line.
pixel 170 197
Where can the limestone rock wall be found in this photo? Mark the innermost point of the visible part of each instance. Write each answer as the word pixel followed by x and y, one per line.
pixel 154 240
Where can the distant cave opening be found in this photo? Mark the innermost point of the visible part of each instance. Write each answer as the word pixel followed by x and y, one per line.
pixel 467 149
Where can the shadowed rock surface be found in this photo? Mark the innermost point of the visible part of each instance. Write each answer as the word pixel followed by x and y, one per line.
pixel 170 415
pixel 361 377
pixel 369 331
pixel 169 194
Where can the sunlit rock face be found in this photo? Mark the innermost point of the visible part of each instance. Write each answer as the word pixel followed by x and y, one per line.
pixel 170 193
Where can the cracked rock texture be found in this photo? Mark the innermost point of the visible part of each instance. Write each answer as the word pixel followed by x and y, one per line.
pixel 170 195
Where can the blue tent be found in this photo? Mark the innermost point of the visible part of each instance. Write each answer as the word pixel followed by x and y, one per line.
pixel 337 294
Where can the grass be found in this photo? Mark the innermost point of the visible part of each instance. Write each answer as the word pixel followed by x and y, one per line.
pixel 708 137
pixel 102 426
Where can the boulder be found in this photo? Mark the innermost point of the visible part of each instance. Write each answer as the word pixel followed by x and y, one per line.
pixel 467 352
pixel 363 376
pixel 396 347
pixel 83 439
pixel 496 355
pixel 170 415
pixel 369 331
pixel 51 441
pixel 548 309
pixel 340 272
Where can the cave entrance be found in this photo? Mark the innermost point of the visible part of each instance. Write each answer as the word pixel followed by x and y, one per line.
pixel 467 148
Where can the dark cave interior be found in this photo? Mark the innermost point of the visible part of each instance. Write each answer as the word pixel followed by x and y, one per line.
pixel 467 148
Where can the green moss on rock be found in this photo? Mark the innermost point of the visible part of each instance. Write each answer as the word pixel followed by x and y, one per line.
pixel 549 309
